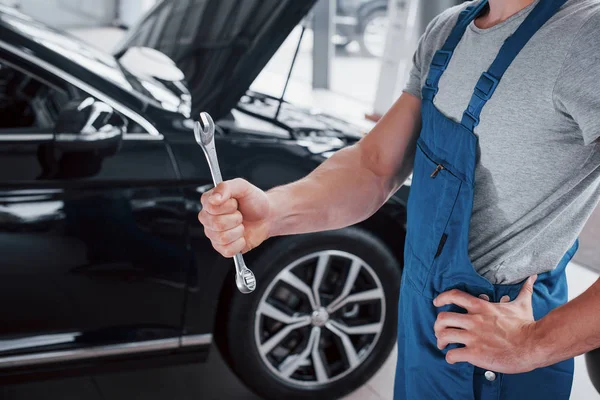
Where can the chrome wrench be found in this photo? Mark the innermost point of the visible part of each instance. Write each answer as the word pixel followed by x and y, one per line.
pixel 205 137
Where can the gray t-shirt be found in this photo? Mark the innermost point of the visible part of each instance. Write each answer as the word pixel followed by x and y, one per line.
pixel 538 173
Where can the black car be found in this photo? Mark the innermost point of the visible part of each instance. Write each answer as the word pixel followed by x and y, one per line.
pixel 592 361
pixel 104 265
pixel 363 21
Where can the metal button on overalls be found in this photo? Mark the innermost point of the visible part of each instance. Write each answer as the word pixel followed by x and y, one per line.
pixel 436 255
pixel 490 376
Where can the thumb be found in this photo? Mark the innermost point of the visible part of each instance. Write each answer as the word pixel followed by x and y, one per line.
pixel 235 188
pixel 526 292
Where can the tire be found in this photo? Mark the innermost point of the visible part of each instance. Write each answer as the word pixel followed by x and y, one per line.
pixel 372 21
pixel 344 251
pixel 592 360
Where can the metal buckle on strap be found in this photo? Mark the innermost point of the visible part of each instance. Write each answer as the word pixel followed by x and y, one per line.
pixel 439 63
pixel 441 59
pixel 429 92
pixel 469 120
pixel 486 85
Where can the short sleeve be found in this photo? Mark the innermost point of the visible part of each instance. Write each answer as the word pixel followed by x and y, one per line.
pixel 415 81
pixel 577 89
pixel 413 85
pixel 425 49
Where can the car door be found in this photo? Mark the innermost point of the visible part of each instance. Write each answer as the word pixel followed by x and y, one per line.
pixel 93 251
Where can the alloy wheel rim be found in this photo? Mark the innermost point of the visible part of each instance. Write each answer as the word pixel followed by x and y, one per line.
pixel 374 35
pixel 320 318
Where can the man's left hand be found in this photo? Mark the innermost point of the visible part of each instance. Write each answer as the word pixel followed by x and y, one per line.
pixel 496 336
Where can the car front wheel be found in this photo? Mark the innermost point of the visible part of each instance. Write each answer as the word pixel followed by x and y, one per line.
pixel 323 317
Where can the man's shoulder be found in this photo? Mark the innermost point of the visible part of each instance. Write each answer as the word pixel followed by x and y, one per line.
pixel 579 24
pixel 580 12
pixel 581 8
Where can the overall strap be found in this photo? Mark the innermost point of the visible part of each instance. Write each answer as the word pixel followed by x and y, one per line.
pixel 488 82
pixel 442 57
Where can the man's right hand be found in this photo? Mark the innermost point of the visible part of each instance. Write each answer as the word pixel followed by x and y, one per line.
pixel 235 216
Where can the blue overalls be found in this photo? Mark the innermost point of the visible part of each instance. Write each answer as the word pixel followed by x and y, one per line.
pixel 436 249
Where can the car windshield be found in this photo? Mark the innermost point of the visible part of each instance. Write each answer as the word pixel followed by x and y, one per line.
pixel 85 55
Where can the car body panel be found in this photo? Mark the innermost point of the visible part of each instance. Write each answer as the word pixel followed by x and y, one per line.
pixel 94 248
pixel 97 260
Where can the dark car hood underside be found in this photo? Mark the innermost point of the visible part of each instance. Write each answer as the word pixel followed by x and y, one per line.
pixel 220 45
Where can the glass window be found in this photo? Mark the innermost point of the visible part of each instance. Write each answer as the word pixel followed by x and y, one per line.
pixel 30 104
pixel 27 101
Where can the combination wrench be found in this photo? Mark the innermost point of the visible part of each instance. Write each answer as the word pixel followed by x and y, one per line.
pixel 205 137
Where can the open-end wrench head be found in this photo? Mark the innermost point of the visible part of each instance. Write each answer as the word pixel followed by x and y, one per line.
pixel 205 131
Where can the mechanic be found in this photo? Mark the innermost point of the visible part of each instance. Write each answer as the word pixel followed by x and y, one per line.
pixel 499 125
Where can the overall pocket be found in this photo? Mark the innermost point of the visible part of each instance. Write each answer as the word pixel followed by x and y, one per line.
pixel 433 194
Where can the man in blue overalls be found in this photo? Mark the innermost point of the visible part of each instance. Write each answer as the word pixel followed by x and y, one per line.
pixel 499 124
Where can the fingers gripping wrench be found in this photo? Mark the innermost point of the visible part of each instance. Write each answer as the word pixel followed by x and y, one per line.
pixel 205 136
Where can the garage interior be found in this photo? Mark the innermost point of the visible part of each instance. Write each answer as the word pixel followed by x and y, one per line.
pixel 326 65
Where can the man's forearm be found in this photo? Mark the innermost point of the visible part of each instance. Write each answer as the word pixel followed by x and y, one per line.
pixel 341 192
pixel 347 188
pixel 351 185
pixel 569 330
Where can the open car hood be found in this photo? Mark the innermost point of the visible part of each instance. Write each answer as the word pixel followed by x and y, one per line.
pixel 220 45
